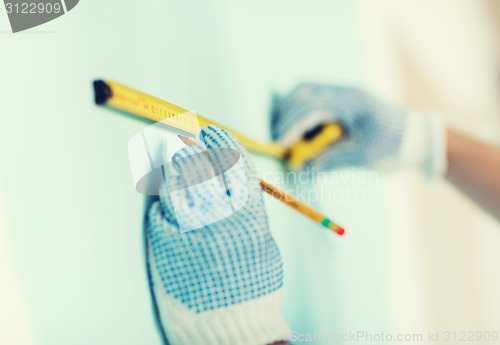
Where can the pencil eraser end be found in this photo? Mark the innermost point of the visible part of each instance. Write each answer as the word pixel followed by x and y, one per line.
pixel 340 230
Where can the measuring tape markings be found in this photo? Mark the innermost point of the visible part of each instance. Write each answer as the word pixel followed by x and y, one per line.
pixel 138 103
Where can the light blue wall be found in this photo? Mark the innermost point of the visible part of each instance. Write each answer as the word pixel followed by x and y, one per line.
pixel 74 219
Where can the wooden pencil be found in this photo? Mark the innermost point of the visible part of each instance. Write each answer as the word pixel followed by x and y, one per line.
pixel 289 200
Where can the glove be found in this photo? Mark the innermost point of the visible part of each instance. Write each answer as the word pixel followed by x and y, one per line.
pixel 376 135
pixel 219 283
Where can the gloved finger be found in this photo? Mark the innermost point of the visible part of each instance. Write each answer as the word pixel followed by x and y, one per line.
pixel 172 182
pixel 342 154
pixel 214 137
pixel 158 225
pixel 305 107
pixel 168 212
pixel 188 167
pixel 231 160
pixel 214 186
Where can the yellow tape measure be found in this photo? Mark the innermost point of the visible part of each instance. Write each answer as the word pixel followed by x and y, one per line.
pixel 138 103
pixel 312 144
pixel 124 98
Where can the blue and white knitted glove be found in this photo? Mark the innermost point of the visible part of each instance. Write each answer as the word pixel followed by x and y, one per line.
pixel 376 135
pixel 219 283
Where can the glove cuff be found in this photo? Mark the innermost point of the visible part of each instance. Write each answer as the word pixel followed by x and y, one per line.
pixel 424 144
pixel 436 163
pixel 255 322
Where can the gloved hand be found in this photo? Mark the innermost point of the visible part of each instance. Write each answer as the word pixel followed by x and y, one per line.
pixel 220 283
pixel 376 135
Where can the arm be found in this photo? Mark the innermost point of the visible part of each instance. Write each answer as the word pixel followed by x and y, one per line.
pixel 474 167
pixel 381 136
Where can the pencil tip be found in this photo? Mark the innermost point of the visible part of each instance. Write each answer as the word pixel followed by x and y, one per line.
pixel 186 140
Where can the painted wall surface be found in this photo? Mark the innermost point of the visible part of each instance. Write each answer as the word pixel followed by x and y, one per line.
pixel 72 219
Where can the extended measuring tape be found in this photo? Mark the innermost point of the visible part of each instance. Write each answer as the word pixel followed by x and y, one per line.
pixel 124 98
